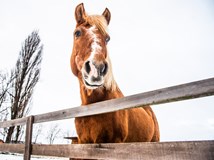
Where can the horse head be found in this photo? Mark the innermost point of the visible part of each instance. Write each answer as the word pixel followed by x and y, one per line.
pixel 90 60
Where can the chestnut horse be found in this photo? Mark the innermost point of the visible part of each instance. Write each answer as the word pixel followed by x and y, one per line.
pixel 91 64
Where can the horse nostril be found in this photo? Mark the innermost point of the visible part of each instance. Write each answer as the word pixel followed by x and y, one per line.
pixel 87 67
pixel 103 69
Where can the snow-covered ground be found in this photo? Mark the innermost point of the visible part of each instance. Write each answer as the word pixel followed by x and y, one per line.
pixel 20 157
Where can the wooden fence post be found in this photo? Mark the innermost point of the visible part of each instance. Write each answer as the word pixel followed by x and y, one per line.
pixel 28 137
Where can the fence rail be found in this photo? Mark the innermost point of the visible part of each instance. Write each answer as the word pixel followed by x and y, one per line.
pixel 197 150
pixel 191 90
pixel 171 94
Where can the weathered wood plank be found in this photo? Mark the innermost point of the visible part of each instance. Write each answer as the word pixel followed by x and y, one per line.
pixel 176 93
pixel 28 137
pixel 12 148
pixel 15 122
pixel 196 150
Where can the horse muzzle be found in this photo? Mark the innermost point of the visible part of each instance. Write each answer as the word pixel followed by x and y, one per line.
pixel 94 73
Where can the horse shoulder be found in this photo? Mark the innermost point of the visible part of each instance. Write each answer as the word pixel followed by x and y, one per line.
pixel 141 125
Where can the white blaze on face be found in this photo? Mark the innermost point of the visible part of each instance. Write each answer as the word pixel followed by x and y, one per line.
pixel 95 44
pixel 109 81
pixel 95 49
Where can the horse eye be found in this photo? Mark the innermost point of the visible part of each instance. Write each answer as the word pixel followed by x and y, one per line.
pixel 107 39
pixel 77 33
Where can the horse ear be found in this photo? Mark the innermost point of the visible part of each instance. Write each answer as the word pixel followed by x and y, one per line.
pixel 80 13
pixel 107 15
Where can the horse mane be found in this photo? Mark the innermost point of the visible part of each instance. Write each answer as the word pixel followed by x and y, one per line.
pixel 99 21
pixel 110 84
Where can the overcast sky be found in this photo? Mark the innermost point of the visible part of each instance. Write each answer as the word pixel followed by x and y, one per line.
pixel 154 44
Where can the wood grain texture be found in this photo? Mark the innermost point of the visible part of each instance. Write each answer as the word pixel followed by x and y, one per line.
pixel 171 94
pixel 12 148
pixel 15 122
pixel 197 150
pixel 165 150
pixel 28 138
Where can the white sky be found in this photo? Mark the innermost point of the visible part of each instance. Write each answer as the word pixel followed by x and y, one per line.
pixel 154 44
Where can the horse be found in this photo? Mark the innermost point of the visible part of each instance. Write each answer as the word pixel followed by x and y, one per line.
pixel 91 64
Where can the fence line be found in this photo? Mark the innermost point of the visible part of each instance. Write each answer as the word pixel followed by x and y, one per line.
pixel 169 150
pixel 196 150
pixel 186 91
pixel 121 151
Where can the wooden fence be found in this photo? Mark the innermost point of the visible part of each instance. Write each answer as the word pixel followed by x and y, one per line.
pixel 161 150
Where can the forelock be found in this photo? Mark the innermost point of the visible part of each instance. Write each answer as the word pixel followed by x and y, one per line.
pixel 98 21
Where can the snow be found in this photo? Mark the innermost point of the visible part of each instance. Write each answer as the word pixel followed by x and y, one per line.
pixel 20 157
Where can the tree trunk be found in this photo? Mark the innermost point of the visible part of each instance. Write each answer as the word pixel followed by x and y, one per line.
pixel 9 134
pixel 18 132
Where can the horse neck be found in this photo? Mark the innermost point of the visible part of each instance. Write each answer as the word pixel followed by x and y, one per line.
pixel 96 95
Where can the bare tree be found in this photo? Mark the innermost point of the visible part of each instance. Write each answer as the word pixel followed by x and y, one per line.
pixel 53 133
pixel 22 81
pixel 5 82
pixel 2 89
pixel 37 132
pixel 3 108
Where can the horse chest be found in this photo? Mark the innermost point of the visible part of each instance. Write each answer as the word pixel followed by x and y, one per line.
pixel 97 129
